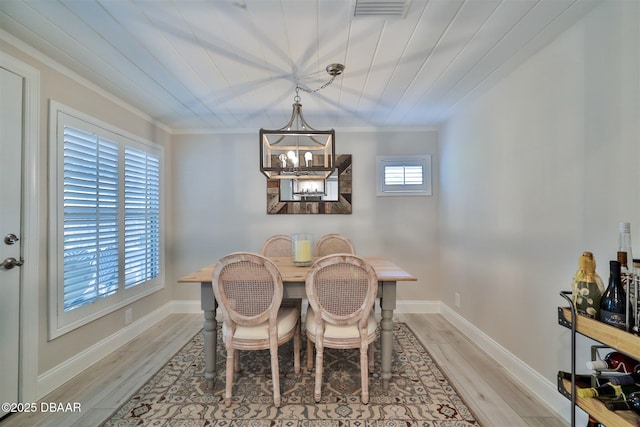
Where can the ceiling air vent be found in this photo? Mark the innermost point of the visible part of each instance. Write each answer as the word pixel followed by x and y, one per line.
pixel 381 8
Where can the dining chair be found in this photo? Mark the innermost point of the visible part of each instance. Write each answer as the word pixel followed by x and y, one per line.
pixel 248 288
pixel 334 244
pixel 341 290
pixel 280 245
pixel 277 245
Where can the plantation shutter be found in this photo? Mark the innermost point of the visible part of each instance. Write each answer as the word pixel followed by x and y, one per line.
pixel 403 175
pixel 141 217
pixel 90 218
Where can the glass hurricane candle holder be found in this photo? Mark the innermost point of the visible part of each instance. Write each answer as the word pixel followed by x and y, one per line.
pixel 301 249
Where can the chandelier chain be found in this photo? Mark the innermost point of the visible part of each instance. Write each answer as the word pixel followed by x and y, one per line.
pixel 300 88
pixel 333 70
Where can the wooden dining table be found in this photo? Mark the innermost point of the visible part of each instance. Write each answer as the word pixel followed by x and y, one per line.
pixel 293 278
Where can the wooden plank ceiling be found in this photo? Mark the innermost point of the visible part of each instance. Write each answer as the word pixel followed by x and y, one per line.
pixel 233 65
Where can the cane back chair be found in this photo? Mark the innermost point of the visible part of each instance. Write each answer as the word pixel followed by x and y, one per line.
pixel 277 245
pixel 248 288
pixel 334 244
pixel 281 245
pixel 341 290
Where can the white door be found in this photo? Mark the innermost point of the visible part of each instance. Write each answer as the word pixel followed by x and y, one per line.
pixel 11 110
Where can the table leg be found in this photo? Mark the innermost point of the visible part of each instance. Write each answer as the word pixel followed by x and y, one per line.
pixel 387 305
pixel 210 326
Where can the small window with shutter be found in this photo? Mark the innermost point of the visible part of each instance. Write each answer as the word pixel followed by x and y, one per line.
pixel 403 175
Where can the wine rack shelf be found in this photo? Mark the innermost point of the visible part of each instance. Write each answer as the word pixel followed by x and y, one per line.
pixel 612 337
pixel 598 410
pixel 601 332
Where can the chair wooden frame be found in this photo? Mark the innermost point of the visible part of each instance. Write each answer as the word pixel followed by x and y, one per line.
pixel 333 244
pixel 248 288
pixel 341 290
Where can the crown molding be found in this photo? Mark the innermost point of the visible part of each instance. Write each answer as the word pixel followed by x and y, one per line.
pixel 56 66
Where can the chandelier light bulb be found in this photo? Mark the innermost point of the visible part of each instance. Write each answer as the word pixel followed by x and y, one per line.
pixel 308 157
pixel 294 159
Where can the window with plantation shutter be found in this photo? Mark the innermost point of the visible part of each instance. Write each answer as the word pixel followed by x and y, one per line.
pixel 106 209
pixel 404 175
pixel 141 217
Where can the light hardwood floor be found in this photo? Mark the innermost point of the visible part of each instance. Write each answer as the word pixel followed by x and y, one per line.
pixel 495 400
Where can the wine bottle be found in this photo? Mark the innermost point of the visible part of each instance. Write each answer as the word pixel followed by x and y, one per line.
pixel 633 399
pixel 615 361
pixel 587 287
pixel 628 379
pixel 607 390
pixel 626 274
pixel 626 280
pixel 624 240
pixel 631 403
pixel 635 301
pixel 612 304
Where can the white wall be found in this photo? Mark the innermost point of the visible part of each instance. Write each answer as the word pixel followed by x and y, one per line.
pixel 540 168
pixel 219 206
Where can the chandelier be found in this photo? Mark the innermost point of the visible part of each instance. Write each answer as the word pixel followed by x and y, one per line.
pixel 297 150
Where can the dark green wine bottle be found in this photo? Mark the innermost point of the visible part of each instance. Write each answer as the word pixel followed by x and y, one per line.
pixel 613 304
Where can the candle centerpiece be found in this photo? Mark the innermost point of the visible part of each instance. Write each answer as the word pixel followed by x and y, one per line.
pixel 301 249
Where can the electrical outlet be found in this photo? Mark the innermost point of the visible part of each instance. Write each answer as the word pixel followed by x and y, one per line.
pixel 456 299
pixel 128 315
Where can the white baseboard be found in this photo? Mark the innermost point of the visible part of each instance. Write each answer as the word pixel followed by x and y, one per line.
pixel 186 306
pixel 55 377
pixel 519 371
pixel 417 307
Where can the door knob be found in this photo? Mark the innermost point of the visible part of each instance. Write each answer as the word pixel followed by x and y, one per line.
pixel 10 239
pixel 9 263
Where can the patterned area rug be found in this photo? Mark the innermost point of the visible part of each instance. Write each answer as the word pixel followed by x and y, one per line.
pixel 419 394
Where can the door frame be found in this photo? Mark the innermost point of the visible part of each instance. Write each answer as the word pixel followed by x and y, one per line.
pixel 30 285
